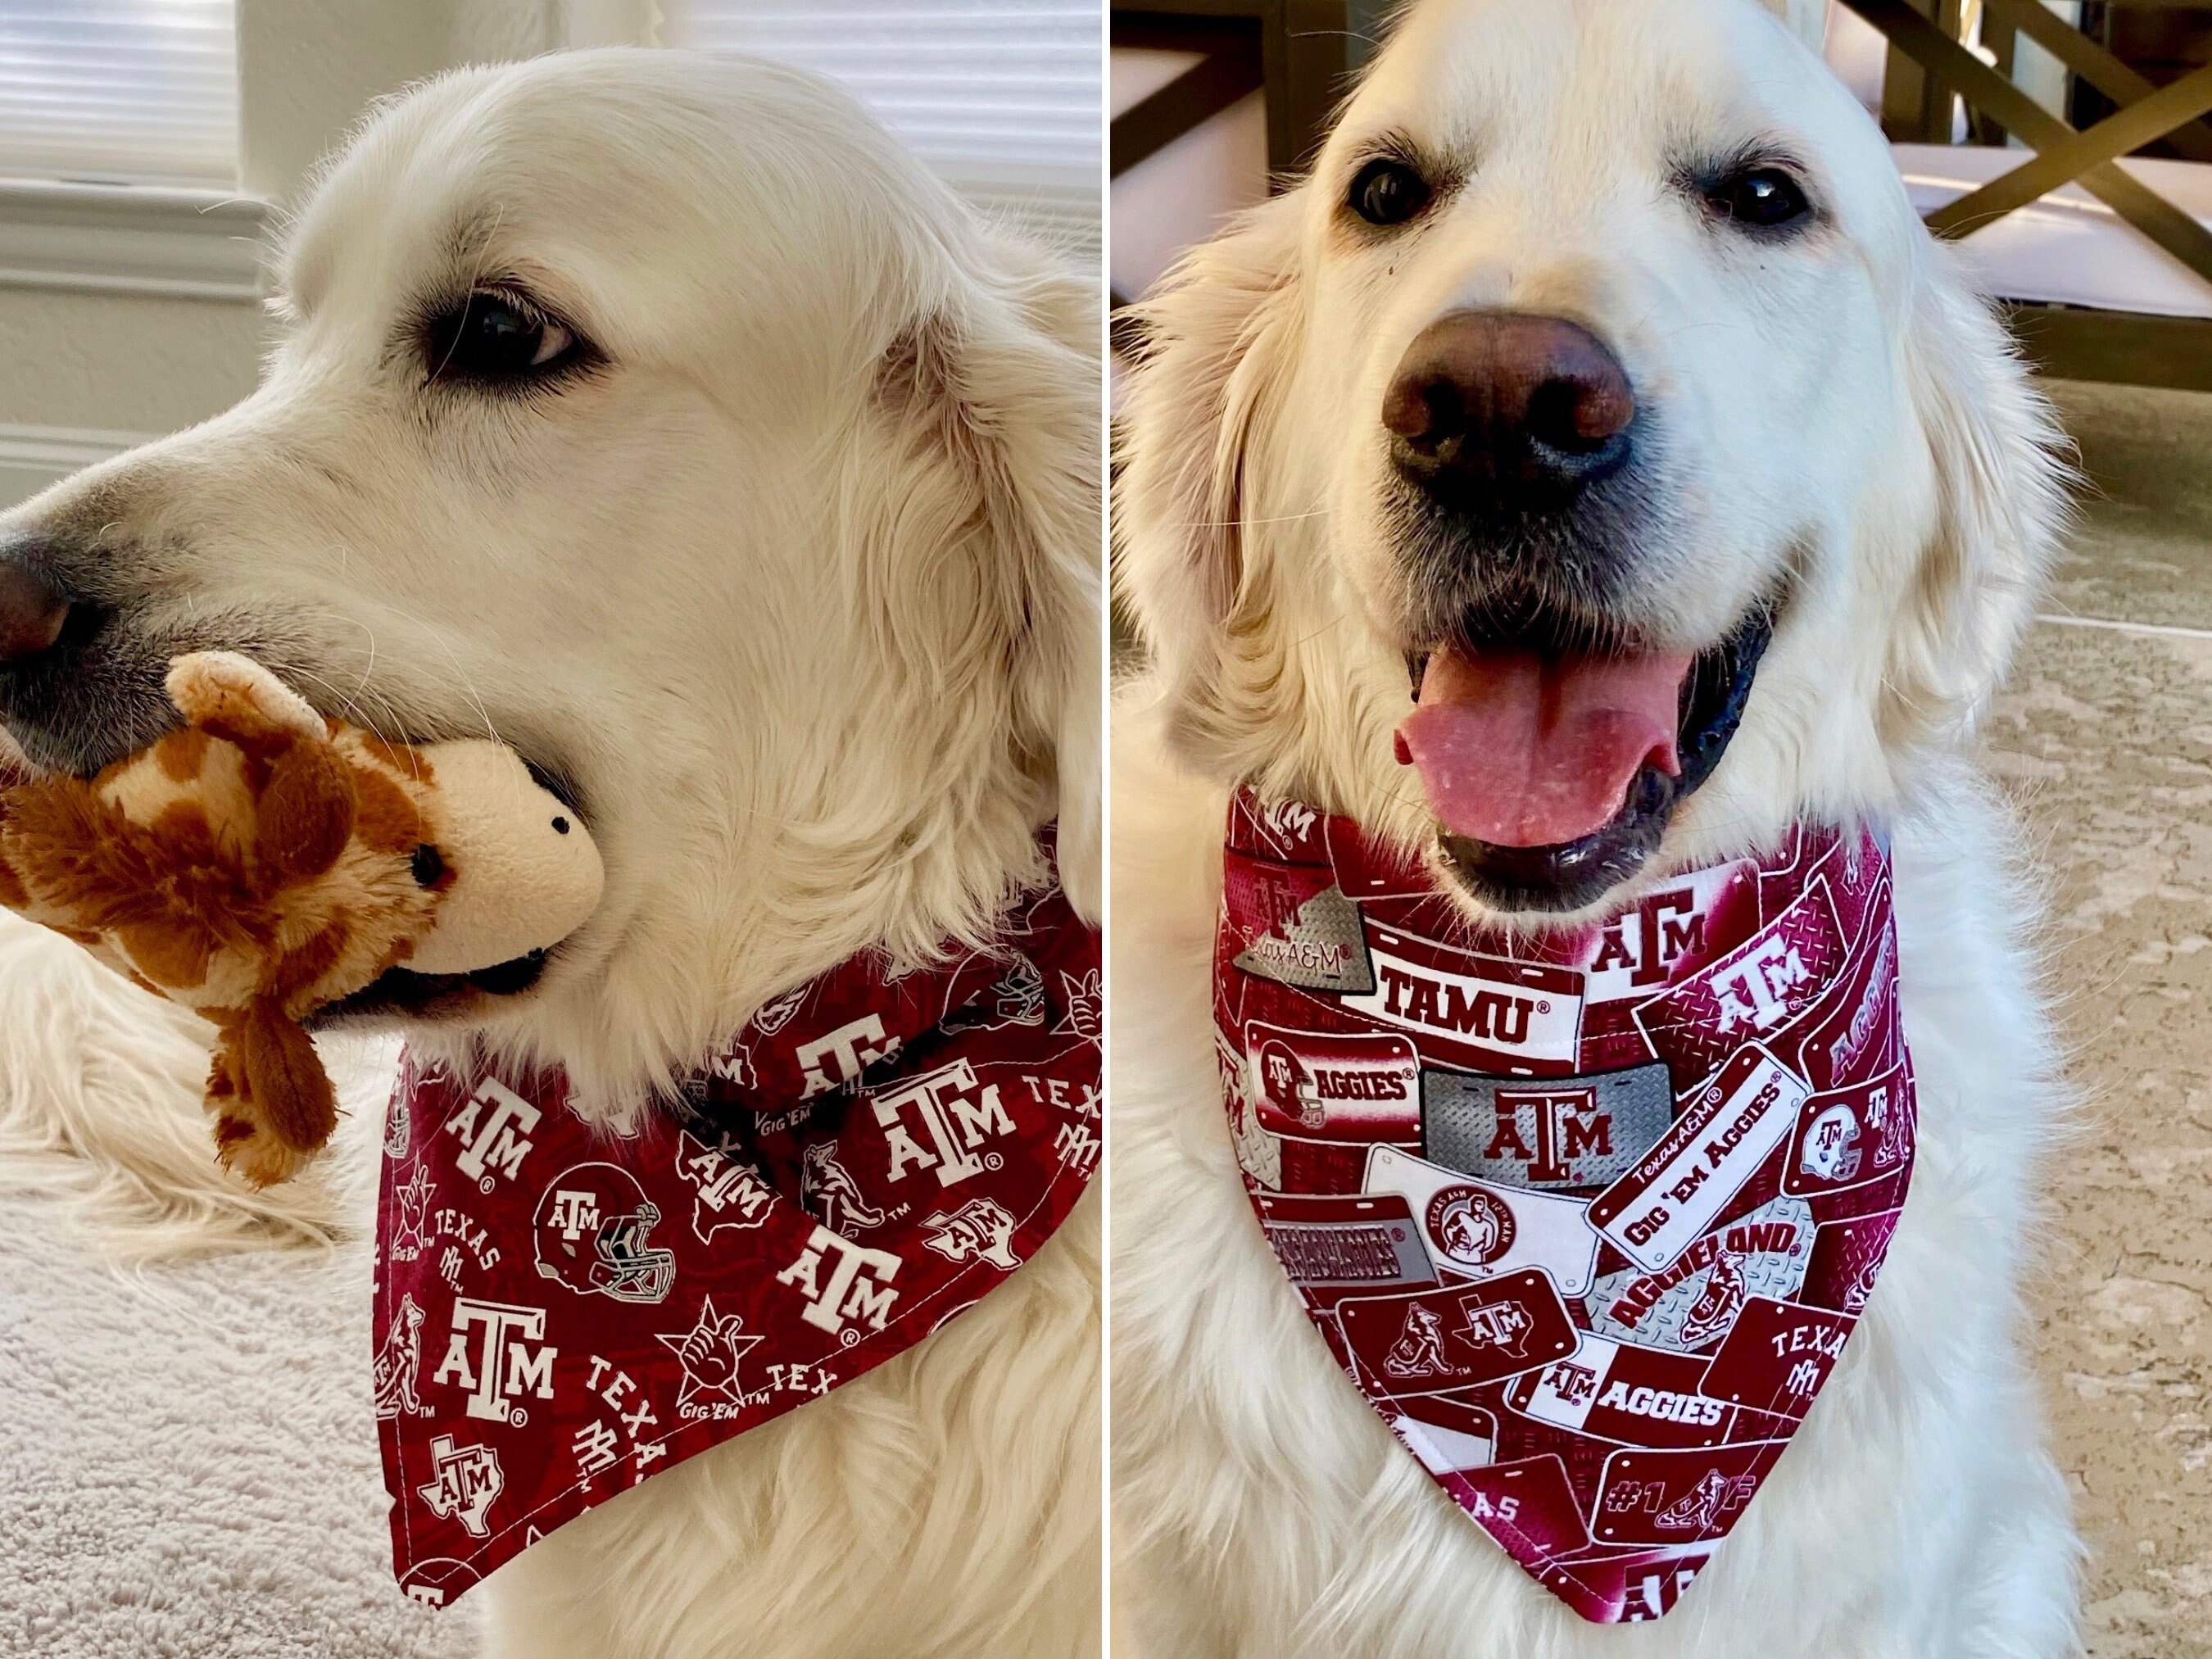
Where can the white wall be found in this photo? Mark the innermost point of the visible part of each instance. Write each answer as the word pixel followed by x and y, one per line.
pixel 97 347
pixel 120 322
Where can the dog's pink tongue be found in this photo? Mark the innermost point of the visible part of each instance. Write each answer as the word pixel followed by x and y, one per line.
pixel 1521 750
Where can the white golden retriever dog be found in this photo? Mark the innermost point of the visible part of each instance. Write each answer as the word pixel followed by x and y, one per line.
pixel 1756 381
pixel 661 415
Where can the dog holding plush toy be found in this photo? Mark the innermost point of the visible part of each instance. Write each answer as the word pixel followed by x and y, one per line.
pixel 260 863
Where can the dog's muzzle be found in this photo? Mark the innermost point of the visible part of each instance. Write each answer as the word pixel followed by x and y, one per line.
pixel 77 688
pixel 1555 732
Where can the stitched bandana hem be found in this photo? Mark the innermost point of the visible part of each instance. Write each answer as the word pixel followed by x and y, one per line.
pixel 562 1313
pixel 1586 1215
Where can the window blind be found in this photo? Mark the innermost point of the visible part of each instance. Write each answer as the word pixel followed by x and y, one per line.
pixel 1003 97
pixel 119 91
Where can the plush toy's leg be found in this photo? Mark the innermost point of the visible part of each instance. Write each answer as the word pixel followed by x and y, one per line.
pixel 273 1102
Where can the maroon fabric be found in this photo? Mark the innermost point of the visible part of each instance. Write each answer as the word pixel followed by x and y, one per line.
pixel 562 1313
pixel 1586 1215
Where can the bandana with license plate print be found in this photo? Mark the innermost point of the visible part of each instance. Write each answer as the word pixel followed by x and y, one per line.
pixel 1586 1214
pixel 562 1313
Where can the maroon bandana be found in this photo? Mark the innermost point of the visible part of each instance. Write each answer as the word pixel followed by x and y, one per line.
pixel 562 1313
pixel 1586 1215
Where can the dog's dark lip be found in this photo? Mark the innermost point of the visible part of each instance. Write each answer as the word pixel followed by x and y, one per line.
pixel 1573 874
pixel 555 783
pixel 96 695
pixel 402 993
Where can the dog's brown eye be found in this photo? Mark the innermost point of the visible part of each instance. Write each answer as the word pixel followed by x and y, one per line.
pixel 1388 192
pixel 1764 198
pixel 496 336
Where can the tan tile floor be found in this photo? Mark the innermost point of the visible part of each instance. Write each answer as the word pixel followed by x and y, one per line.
pixel 2104 738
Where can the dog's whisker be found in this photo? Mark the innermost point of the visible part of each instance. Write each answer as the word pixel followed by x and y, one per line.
pixel 1249 523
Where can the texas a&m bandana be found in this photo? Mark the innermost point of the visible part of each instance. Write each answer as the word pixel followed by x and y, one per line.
pixel 563 1314
pixel 1586 1215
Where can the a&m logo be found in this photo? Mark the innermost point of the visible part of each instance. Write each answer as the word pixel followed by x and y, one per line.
pixel 494 1128
pixel 466 1480
pixel 956 1113
pixel 730 1192
pixel 1571 1382
pixel 1564 1125
pixel 1755 992
pixel 1288 822
pixel 1502 1325
pixel 505 1365
pixel 845 1284
pixel 836 1058
pixel 572 1214
pixel 1652 937
pixel 439 1580
pixel 983 1227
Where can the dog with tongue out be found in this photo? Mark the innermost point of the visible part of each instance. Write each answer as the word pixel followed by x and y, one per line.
pixel 1601 374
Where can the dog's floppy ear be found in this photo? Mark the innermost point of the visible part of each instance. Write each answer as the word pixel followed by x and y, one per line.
pixel 995 529
pixel 1213 344
pixel 2001 485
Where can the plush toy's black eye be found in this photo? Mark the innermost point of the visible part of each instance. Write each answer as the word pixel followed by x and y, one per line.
pixel 560 826
pixel 1386 192
pixel 1764 198
pixel 428 867
pixel 497 337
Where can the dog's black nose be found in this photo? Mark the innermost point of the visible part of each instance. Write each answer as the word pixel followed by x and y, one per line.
pixel 32 607
pixel 1507 409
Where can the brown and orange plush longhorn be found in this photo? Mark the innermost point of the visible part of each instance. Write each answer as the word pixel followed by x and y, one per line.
pixel 261 863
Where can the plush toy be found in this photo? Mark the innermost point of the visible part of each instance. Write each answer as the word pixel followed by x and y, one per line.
pixel 261 863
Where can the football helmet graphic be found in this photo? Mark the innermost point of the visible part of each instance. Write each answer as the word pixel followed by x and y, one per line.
pixel 1286 1082
pixel 1831 1148
pixel 594 1234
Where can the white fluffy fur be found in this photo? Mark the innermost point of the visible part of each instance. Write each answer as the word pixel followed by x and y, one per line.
pixel 800 588
pixel 1844 415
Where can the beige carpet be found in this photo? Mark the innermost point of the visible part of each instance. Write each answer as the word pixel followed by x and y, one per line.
pixel 2105 737
pixel 188 1460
